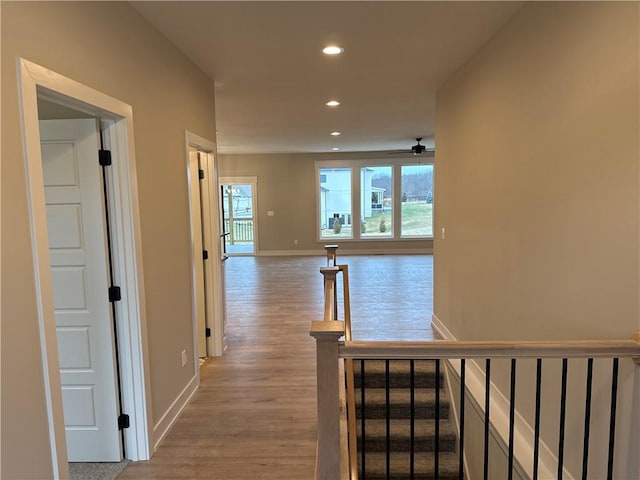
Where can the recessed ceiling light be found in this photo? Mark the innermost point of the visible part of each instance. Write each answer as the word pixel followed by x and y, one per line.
pixel 335 134
pixel 332 103
pixel 335 148
pixel 332 50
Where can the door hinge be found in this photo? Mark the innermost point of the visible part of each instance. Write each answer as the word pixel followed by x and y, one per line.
pixel 104 157
pixel 205 255
pixel 123 421
pixel 200 174
pixel 207 332
pixel 114 294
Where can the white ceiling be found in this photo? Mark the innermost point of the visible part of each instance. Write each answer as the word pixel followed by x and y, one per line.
pixel 272 81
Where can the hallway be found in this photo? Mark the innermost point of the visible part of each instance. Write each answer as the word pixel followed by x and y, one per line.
pixel 254 415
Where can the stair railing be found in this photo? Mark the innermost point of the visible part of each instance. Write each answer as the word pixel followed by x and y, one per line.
pixel 331 351
pixel 349 469
pixel 461 351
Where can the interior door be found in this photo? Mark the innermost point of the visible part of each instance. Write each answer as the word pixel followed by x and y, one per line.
pixel 80 278
pixel 198 249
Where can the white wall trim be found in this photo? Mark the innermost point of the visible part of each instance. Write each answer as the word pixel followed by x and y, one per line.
pixel 499 408
pixel 343 253
pixel 448 382
pixel 439 328
pixel 288 253
pixel 172 414
pixel 35 80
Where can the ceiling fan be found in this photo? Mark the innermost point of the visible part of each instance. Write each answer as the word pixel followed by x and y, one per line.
pixel 417 149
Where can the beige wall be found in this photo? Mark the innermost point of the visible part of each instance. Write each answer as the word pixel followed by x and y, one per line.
pixel 109 47
pixel 538 140
pixel 287 186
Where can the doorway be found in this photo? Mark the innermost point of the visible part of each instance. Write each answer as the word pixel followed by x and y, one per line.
pixel 37 82
pixel 208 291
pixel 238 201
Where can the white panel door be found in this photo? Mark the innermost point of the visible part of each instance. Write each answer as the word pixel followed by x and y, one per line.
pixel 79 272
pixel 197 249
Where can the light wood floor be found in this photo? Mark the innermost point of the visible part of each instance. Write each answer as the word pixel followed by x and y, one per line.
pixel 254 416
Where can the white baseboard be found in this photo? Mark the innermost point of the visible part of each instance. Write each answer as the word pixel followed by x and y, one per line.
pixel 386 251
pixel 291 253
pixel 345 252
pixel 499 408
pixel 439 328
pixel 165 423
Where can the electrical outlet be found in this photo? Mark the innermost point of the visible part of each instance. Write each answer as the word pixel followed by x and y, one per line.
pixel 295 242
pixel 184 357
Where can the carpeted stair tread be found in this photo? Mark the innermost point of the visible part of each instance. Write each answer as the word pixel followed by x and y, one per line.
pixel 400 466
pixel 399 374
pixel 400 435
pixel 399 403
pixel 424 412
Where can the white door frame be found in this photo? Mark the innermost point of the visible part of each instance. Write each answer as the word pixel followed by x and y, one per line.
pixel 253 181
pixel 35 80
pixel 214 281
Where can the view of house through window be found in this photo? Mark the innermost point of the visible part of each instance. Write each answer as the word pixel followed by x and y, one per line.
pixel 364 209
pixel 376 201
pixel 335 203
pixel 417 201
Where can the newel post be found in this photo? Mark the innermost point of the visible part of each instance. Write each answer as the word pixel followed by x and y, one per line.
pixel 327 335
pixel 332 256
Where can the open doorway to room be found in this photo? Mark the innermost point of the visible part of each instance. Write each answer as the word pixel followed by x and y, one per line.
pixel 85 239
pixel 238 201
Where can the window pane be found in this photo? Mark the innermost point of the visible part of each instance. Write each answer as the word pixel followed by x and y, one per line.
pixel 335 203
pixel 417 201
pixel 237 210
pixel 376 202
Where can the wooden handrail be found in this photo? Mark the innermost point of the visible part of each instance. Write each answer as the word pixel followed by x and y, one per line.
pixel 498 349
pixel 349 377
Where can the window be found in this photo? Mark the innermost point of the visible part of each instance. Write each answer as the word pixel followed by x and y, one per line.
pixel 374 200
pixel 376 204
pixel 417 201
pixel 335 203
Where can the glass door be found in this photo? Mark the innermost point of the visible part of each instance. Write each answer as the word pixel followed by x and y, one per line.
pixel 239 225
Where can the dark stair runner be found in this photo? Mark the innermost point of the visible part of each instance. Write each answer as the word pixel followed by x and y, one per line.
pixel 400 423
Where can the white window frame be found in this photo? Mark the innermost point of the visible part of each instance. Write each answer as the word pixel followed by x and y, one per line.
pixel 393 206
pixel 399 184
pixel 355 223
pixel 355 165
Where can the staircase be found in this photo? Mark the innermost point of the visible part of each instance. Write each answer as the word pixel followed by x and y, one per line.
pixel 375 411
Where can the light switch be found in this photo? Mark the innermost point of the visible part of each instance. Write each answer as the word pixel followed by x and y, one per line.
pixel 443 234
pixel 270 213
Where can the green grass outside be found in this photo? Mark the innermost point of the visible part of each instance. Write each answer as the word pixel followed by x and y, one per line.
pixel 417 220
